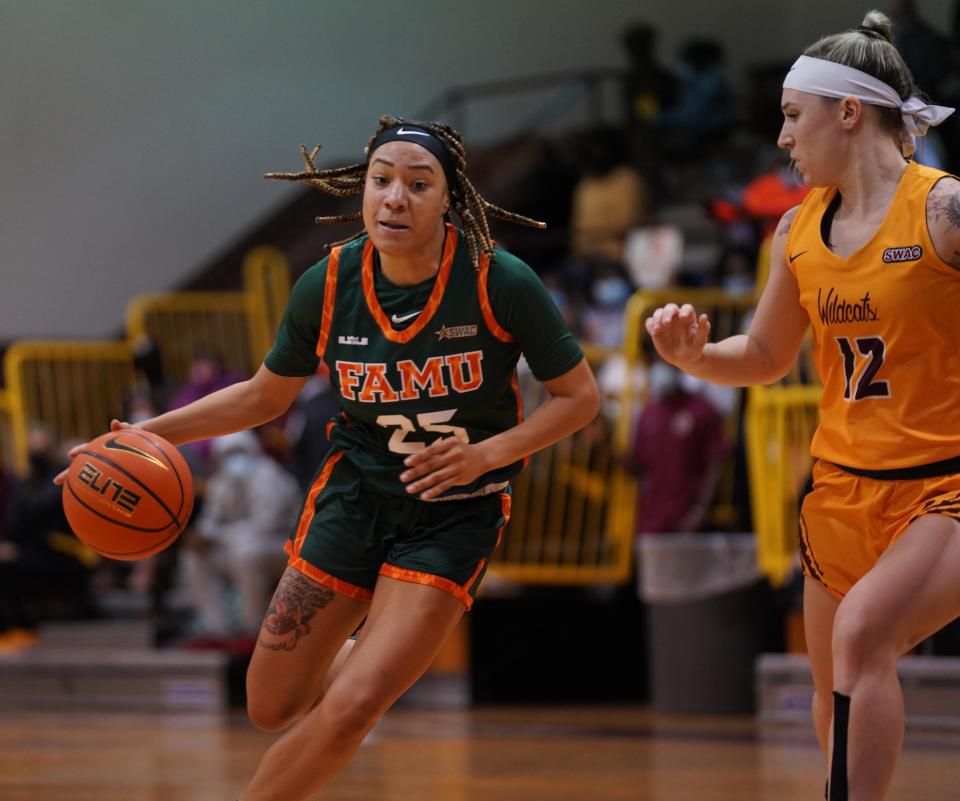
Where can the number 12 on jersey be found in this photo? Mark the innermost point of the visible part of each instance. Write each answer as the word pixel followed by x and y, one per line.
pixel 869 347
pixel 434 422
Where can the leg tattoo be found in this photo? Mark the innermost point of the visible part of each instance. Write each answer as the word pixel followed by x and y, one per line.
pixel 294 604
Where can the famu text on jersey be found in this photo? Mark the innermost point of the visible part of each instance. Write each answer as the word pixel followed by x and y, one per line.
pixel 378 382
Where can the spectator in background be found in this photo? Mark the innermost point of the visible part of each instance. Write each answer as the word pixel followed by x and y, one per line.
pixel 236 545
pixel 207 374
pixel 609 200
pixel 677 452
pixel 703 111
pixel 932 58
pixel 306 426
pixel 40 556
pixel 649 88
pixel 602 320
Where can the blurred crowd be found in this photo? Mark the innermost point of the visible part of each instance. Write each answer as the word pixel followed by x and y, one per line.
pixel 683 192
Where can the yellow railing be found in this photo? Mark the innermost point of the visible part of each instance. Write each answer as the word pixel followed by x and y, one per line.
pixel 565 525
pixel 727 314
pixel 780 424
pixel 236 327
pixel 183 323
pixel 7 458
pixel 74 388
pixel 266 280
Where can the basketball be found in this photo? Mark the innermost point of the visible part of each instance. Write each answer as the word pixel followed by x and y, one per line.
pixel 128 494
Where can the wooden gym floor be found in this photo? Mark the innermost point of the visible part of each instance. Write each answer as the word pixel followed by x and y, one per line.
pixel 516 754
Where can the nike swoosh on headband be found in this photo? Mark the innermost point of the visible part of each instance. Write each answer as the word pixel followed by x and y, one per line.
pixel 401 131
pixel 115 445
pixel 402 318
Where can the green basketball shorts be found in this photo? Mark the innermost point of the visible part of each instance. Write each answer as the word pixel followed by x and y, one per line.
pixel 349 534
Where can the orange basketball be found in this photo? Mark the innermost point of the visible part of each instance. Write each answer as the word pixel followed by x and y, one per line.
pixel 128 494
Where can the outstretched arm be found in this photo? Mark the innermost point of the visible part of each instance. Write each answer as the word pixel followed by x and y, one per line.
pixel 243 405
pixel 761 356
pixel 574 402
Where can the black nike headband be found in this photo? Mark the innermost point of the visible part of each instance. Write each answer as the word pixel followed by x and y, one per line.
pixel 418 136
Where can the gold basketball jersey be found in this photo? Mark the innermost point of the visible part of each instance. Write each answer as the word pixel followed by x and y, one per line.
pixel 886 326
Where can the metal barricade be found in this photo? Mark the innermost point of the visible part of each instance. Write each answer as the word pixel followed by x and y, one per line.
pixel 73 388
pixel 780 424
pixel 728 316
pixel 7 460
pixel 235 327
pixel 266 280
pixel 182 324
pixel 563 528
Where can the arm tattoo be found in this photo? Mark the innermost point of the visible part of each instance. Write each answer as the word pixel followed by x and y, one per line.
pixel 784 228
pixel 294 604
pixel 944 207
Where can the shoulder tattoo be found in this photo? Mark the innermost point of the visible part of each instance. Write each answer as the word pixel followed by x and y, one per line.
pixel 784 228
pixel 944 206
pixel 292 607
pixel 943 210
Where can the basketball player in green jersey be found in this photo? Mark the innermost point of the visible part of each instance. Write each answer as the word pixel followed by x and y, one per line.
pixel 421 326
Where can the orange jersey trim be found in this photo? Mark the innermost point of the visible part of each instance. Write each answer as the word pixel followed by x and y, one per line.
pixel 488 317
pixel 329 300
pixel 433 302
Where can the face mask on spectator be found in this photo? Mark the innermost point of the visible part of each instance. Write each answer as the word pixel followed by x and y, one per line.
pixel 237 464
pixel 611 291
pixel 664 379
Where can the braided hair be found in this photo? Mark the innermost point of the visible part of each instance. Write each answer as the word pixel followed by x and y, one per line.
pixel 471 207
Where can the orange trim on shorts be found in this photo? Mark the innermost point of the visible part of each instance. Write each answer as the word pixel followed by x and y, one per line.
pixel 506 501
pixel 309 506
pixel 462 594
pixel 314 573
pixel 329 300
pixel 292 548
pixel 495 328
pixel 433 302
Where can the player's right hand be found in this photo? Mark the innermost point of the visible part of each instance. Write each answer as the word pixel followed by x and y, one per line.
pixel 115 425
pixel 678 333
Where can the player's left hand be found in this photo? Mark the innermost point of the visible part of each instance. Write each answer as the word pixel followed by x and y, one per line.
pixel 448 462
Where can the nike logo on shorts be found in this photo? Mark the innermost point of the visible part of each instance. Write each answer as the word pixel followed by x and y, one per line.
pixel 402 318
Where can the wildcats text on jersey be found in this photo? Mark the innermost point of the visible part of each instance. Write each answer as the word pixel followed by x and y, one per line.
pixel 369 382
pixel 835 309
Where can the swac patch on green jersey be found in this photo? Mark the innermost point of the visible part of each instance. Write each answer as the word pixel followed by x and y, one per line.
pixel 432 362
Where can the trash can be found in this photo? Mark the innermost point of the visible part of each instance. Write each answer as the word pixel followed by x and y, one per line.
pixel 705 607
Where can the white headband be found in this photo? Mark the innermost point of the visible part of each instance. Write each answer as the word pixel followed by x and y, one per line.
pixel 830 79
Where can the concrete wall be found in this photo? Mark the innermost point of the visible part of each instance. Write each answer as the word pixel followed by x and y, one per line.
pixel 133 134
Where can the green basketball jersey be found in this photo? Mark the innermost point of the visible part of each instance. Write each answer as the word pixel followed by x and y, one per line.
pixel 413 364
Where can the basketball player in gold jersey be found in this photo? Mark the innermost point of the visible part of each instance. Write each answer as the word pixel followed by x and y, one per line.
pixel 870 260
